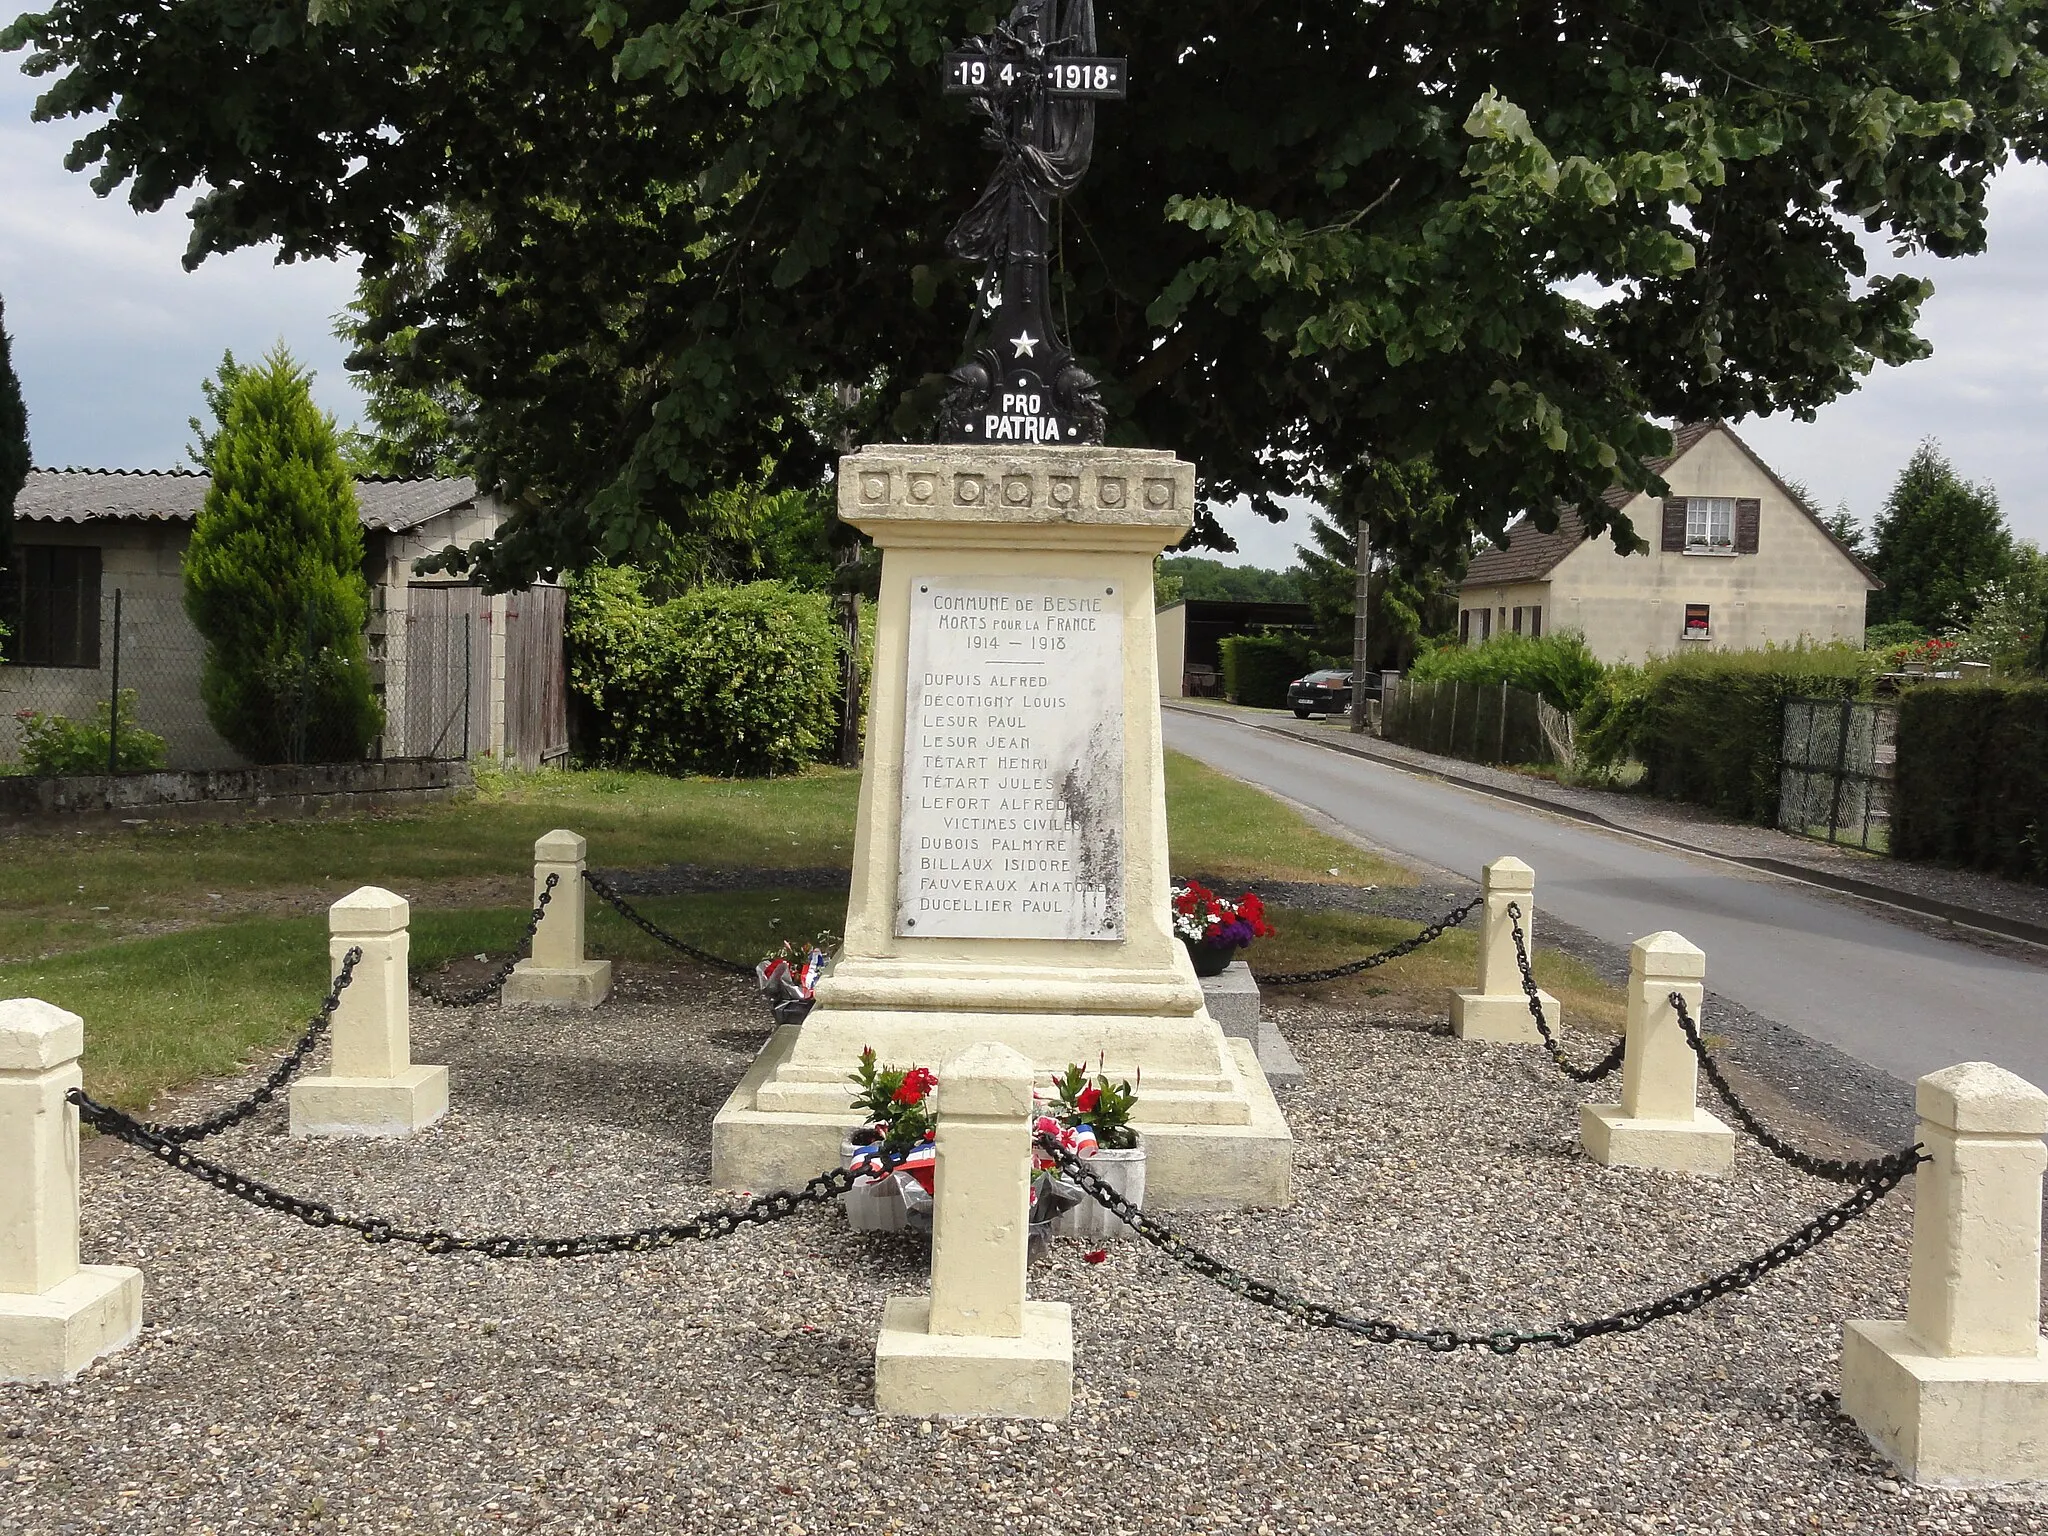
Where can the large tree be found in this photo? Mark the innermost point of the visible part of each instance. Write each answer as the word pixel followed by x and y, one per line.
pixel 1941 545
pixel 14 466
pixel 1318 234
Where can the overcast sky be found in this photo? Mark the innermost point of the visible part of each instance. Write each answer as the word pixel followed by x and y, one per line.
pixel 112 337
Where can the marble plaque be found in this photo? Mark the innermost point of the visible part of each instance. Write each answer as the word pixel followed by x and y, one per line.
pixel 1013 761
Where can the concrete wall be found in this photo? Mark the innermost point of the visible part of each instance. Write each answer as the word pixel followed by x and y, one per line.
pixel 1798 584
pixel 28 805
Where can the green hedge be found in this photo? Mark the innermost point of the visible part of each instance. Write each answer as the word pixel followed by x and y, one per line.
pixel 730 680
pixel 1708 726
pixel 1557 666
pixel 1258 668
pixel 1972 778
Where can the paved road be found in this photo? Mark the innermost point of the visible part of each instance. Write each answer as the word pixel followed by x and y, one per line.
pixel 1839 971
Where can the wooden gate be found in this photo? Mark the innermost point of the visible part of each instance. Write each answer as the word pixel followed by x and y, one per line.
pixel 536 677
pixel 446 672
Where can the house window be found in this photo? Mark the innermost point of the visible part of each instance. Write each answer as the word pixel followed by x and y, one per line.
pixel 1710 522
pixel 1696 624
pixel 56 607
pixel 1464 626
pixel 1536 622
pixel 1518 621
pixel 1485 624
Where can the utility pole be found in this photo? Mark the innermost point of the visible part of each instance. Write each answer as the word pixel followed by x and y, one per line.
pixel 1358 623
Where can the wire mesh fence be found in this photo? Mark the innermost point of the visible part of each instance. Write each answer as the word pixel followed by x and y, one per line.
pixel 1835 771
pixel 111 682
pixel 1478 722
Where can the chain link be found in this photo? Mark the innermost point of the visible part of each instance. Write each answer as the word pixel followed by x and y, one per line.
pixel 619 904
pixel 1607 1064
pixel 720 1222
pixel 1835 1170
pixel 1562 1334
pixel 282 1073
pixel 470 996
pixel 1429 935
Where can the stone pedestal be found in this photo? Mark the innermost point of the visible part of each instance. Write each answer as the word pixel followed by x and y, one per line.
pixel 1658 1123
pixel 556 974
pixel 1232 999
pixel 56 1316
pixel 371 1087
pixel 1029 542
pixel 1957 1394
pixel 976 1347
pixel 1499 1009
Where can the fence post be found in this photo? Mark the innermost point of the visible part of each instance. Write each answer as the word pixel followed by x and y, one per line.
pixel 557 975
pixel 1658 1123
pixel 56 1316
pixel 114 694
pixel 1958 1392
pixel 371 1087
pixel 1499 1009
pixel 975 1346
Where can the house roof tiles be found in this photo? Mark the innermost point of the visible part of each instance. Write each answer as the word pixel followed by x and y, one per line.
pixel 175 496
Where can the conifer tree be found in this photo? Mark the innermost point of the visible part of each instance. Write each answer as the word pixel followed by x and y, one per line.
pixel 274 581
pixel 14 462
pixel 1941 544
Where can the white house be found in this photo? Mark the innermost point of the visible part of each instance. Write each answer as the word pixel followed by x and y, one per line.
pixel 1735 560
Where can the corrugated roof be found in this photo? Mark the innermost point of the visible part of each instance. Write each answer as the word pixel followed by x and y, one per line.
pixel 1532 554
pixel 175 496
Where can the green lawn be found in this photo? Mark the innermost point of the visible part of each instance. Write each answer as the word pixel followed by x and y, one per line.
pixel 84 918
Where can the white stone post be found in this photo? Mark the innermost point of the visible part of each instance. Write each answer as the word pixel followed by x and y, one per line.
pixel 556 974
pixel 56 1316
pixel 976 1347
pixel 372 1087
pixel 1499 1010
pixel 1658 1123
pixel 1958 1393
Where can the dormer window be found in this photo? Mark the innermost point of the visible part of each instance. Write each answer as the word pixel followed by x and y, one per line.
pixel 1710 522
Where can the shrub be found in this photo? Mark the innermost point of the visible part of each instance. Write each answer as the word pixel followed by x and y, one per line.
pixel 1258 668
pixel 729 680
pixel 55 746
pixel 1557 666
pixel 274 581
pixel 1888 637
pixel 1708 726
pixel 1972 778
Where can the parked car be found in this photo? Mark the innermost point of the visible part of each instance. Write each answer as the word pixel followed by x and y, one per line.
pixel 1327 692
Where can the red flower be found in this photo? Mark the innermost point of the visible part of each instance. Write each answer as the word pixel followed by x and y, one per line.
pixel 1095 1255
pixel 917 1082
pixel 1089 1098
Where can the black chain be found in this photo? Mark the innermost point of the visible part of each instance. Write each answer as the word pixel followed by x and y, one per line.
pixel 618 902
pixel 1562 1334
pixel 1836 1170
pixel 720 1222
pixel 1607 1064
pixel 1429 935
pixel 470 996
pixel 282 1073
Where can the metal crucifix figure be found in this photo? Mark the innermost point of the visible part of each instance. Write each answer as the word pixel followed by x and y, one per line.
pixel 1036 80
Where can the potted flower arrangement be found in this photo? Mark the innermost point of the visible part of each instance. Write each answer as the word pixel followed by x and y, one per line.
pixel 1215 929
pixel 1092 1118
pixel 895 1105
pixel 788 977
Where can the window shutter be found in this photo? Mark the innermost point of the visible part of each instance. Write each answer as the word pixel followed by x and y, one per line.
pixel 1749 516
pixel 1674 523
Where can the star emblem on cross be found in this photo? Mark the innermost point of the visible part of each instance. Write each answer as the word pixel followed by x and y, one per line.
pixel 1025 343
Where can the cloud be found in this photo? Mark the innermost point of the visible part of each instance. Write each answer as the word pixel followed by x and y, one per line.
pixel 111 335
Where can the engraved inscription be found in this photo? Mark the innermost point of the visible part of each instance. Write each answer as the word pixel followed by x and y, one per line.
pixel 1013 761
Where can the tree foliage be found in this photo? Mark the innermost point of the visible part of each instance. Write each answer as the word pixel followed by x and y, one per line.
pixel 274 580
pixel 422 424
pixel 1316 235
pixel 1941 544
pixel 1178 578
pixel 1419 554
pixel 14 460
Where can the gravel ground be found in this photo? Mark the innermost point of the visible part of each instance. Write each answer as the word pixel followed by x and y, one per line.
pixel 294 1380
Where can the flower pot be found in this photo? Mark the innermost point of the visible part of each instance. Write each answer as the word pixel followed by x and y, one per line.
pixel 875 1206
pixel 1210 959
pixel 1123 1170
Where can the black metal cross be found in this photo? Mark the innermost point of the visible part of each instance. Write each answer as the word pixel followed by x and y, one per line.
pixel 1036 79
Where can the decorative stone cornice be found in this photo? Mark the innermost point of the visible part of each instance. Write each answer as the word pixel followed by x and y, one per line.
pixel 886 487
